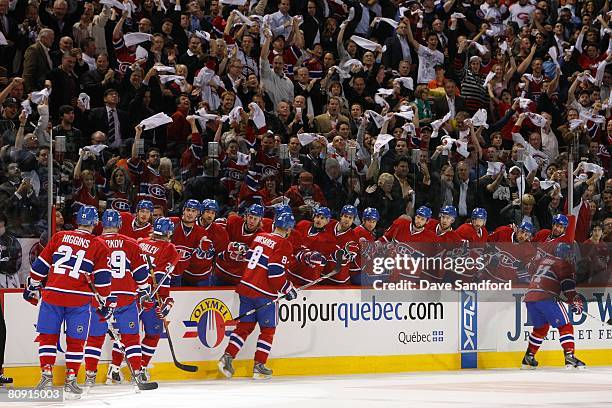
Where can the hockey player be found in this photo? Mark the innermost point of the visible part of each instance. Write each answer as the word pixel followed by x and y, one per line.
pixel 130 273
pixel 369 218
pixel 444 228
pixel 417 241
pixel 186 238
pixel 558 232
pixel 346 238
pixel 264 278
pixel 553 275
pixel 139 225
pixel 364 234
pixel 475 231
pixel 509 261
pixel 446 236
pixel 320 246
pixel 69 262
pixel 241 231
pixel 209 209
pixel 163 257
pixel 508 233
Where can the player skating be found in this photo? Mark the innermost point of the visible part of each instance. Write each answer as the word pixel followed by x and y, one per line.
pixel 163 257
pixel 264 278
pixel 553 276
pixel 130 274
pixel 68 263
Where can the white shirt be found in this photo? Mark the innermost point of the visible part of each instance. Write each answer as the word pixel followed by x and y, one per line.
pixel 451 105
pixel 462 204
pixel 427 60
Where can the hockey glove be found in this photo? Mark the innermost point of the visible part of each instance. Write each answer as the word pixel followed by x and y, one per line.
pixel 206 249
pixel 31 293
pixel 162 310
pixel 314 258
pixel 352 250
pixel 291 293
pixel 340 256
pixel 106 310
pixel 237 250
pixel 144 299
pixel 577 305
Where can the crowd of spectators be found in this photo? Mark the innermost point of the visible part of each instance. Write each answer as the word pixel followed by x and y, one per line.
pixel 379 103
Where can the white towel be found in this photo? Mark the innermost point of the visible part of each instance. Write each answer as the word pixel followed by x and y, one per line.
pixel 592 168
pixel 136 38
pixel 163 68
pixel 407 82
pixel 307 138
pixel 203 35
pixel 493 168
pixel 378 119
pixel 85 100
pixel 382 140
pixel 156 120
pixel 480 118
pixel 258 116
pixel 38 96
pixel 437 124
pixel 164 79
pixel 113 3
pixel 537 119
pixel 142 53
pixel 365 43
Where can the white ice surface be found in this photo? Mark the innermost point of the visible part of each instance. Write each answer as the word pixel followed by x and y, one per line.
pixel 542 388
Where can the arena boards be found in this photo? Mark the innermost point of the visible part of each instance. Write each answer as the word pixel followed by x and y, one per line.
pixel 331 331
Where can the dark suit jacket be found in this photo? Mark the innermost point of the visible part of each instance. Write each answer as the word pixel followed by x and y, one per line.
pixel 440 106
pixel 35 68
pixel 97 119
pixel 472 193
pixel 393 55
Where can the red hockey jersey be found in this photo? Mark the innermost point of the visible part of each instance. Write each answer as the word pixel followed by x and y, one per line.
pixel 129 269
pixel 264 274
pixel 164 257
pixel 230 269
pixel 130 229
pixel 151 185
pixel 551 277
pixel 323 242
pixel 468 233
pixel 187 241
pixel 68 262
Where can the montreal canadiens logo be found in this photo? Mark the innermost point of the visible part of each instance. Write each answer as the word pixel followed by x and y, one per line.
pixel 207 318
pixel 235 174
pixel 120 204
pixel 157 191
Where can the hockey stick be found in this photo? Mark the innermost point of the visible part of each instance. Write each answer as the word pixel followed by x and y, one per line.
pixel 113 332
pixel 179 365
pixel 278 299
pixel 152 294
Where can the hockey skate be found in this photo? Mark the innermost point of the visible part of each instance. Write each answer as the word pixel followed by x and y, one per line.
pixel 261 372
pixel 529 362
pixel 572 362
pixel 114 375
pixel 5 380
pixel 225 365
pixel 46 379
pixel 145 376
pixel 71 388
pixel 90 378
pixel 140 382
